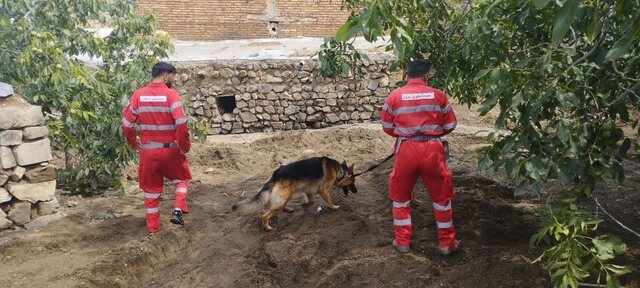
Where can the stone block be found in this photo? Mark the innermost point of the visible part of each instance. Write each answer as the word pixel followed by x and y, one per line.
pixel 33 192
pixel 20 213
pixel 228 117
pixel 264 88
pixel 302 117
pixel 48 207
pixel 32 152
pixel 273 79
pixel 10 137
pixel 279 88
pixel 17 174
pixel 363 93
pixel 5 223
pixel 4 177
pixel 5 196
pixel 6 158
pixel 31 133
pixel 15 117
pixel 291 110
pixel 41 174
pixel 248 117
pixel 6 90
pixel 333 118
pixel 373 84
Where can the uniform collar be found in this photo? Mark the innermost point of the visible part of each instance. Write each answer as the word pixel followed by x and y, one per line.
pixel 158 85
pixel 416 81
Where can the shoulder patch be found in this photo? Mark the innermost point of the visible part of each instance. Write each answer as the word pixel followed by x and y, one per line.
pixel 153 98
pixel 418 96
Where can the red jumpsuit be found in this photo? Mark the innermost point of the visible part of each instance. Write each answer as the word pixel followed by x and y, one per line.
pixel 162 123
pixel 418 116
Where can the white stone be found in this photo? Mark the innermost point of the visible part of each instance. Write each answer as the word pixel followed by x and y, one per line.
pixel 20 213
pixel 43 221
pixel 31 133
pixel 5 223
pixel 12 117
pixel 4 196
pixel 4 177
pixel 333 118
pixel 17 174
pixel 290 110
pixel 248 117
pixel 6 90
pixel 6 158
pixel 48 207
pixel 228 117
pixel 273 79
pixel 373 85
pixel 10 137
pixel 32 152
pixel 33 192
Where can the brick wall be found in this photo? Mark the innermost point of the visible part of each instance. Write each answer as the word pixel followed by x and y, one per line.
pixel 227 19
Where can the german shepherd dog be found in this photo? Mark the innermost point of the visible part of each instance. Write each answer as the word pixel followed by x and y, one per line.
pixel 313 175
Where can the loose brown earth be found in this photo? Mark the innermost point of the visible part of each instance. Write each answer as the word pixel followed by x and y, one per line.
pixel 102 242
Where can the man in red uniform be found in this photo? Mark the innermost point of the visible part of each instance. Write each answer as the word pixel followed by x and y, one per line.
pixel 418 116
pixel 157 111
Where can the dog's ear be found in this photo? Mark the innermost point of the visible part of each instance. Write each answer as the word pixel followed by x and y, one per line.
pixel 351 168
pixel 344 163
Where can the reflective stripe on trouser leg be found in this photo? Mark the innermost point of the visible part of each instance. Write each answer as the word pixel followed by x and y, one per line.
pixel 443 215
pixel 401 181
pixel 180 201
pixel 402 224
pixel 152 210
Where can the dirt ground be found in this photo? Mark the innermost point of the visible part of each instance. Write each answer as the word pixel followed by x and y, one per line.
pixel 101 241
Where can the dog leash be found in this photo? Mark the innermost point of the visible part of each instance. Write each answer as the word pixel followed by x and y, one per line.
pixel 376 165
pixel 446 152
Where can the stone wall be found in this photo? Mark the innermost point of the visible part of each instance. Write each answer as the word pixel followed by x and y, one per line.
pixel 281 94
pixel 27 181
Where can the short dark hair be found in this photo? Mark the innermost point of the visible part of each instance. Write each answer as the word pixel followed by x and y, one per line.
pixel 418 68
pixel 161 68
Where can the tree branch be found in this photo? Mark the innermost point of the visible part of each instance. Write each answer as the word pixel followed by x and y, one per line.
pixel 455 26
pixel 615 68
pixel 585 56
pixel 627 92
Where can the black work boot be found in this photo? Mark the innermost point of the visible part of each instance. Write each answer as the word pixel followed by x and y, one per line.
pixel 176 217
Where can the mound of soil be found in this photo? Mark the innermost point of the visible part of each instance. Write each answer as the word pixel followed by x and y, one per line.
pixel 312 247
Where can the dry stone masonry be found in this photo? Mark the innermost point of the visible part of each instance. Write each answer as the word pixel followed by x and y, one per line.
pixel 27 181
pixel 252 96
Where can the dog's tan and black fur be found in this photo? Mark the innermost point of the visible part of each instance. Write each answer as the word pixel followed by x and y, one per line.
pixel 309 176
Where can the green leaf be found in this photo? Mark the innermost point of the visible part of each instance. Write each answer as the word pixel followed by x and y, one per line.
pixel 593 26
pixel 481 74
pixel 348 30
pixel 608 246
pixel 567 99
pixel 563 19
pixel 540 3
pixel 621 47
pixel 618 269
pixel 612 281
pixel 563 133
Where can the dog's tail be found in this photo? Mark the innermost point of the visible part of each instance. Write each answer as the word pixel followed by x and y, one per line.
pixel 258 200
